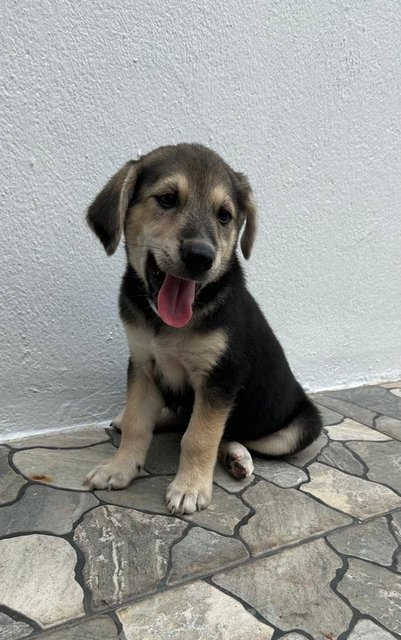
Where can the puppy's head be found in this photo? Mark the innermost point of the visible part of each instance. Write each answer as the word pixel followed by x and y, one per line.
pixel 181 209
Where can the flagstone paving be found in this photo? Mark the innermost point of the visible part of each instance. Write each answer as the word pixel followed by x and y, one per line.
pixel 306 548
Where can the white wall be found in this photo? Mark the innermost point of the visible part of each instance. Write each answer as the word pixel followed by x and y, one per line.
pixel 303 96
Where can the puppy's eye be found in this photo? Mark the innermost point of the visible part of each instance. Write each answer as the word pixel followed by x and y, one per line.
pixel 167 200
pixel 224 216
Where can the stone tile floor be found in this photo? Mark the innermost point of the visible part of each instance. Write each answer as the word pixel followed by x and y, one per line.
pixel 309 547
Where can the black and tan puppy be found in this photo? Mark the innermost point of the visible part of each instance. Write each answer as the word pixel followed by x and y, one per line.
pixel 198 342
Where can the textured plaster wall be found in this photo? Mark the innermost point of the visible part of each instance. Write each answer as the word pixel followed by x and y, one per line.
pixel 303 96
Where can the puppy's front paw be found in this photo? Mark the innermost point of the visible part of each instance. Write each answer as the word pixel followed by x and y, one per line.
pixel 113 475
pixel 187 497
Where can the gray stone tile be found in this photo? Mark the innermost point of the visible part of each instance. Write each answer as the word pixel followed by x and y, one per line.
pixel 304 457
pixel 225 480
pixel 196 611
pixel 293 636
pixel 338 456
pixel 396 519
pixel 352 430
pixel 360 414
pixel 102 628
pixel 273 526
pixel 126 552
pixel 223 514
pixel 115 436
pixel 10 482
pixel 45 509
pixel 37 579
pixel 349 494
pixel 383 460
pixel 148 494
pixel 275 587
pixel 65 468
pixel 375 399
pixel 368 541
pixel 328 415
pixel 12 629
pixel 62 440
pixel 390 426
pixel 202 552
pixel 368 630
pixel 164 453
pixel 280 472
pixel 396 392
pixel 374 591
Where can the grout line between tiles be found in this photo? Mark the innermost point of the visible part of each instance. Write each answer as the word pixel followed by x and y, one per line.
pixel 20 617
pixel 254 612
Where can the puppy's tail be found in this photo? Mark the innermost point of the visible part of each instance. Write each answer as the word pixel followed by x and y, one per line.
pixel 303 429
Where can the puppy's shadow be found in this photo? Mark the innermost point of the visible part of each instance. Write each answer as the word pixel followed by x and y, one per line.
pixel 164 453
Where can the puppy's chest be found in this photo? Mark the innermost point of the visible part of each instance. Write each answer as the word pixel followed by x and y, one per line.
pixel 182 358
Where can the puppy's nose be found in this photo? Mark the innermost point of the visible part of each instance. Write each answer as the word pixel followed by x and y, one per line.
pixel 197 256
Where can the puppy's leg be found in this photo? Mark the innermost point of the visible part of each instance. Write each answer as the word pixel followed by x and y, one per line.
pixel 116 422
pixel 166 421
pixel 280 443
pixel 191 489
pixel 297 435
pixel 236 458
pixel 144 404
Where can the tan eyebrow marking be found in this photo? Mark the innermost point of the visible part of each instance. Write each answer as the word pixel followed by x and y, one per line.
pixel 221 198
pixel 173 182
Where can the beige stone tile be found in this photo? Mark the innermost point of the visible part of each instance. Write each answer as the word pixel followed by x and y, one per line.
pixel 349 494
pixel 64 468
pixel 374 591
pixel 37 578
pixel 352 430
pixel 291 589
pixel 10 482
pixel 196 611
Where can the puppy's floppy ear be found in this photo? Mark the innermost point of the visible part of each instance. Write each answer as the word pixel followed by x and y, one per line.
pixel 248 211
pixel 107 212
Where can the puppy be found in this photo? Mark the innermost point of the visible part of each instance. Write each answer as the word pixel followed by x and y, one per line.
pixel 198 342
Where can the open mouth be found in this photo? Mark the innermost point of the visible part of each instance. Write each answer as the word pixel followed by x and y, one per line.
pixel 173 297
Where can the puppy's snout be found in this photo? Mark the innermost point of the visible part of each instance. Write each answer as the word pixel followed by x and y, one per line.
pixel 198 256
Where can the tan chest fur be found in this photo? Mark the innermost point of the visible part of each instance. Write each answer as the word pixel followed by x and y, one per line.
pixel 182 357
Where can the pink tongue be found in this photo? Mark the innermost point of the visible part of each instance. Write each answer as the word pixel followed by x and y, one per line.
pixel 175 299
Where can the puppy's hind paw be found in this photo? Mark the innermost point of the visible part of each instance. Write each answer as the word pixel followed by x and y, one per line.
pixel 237 459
